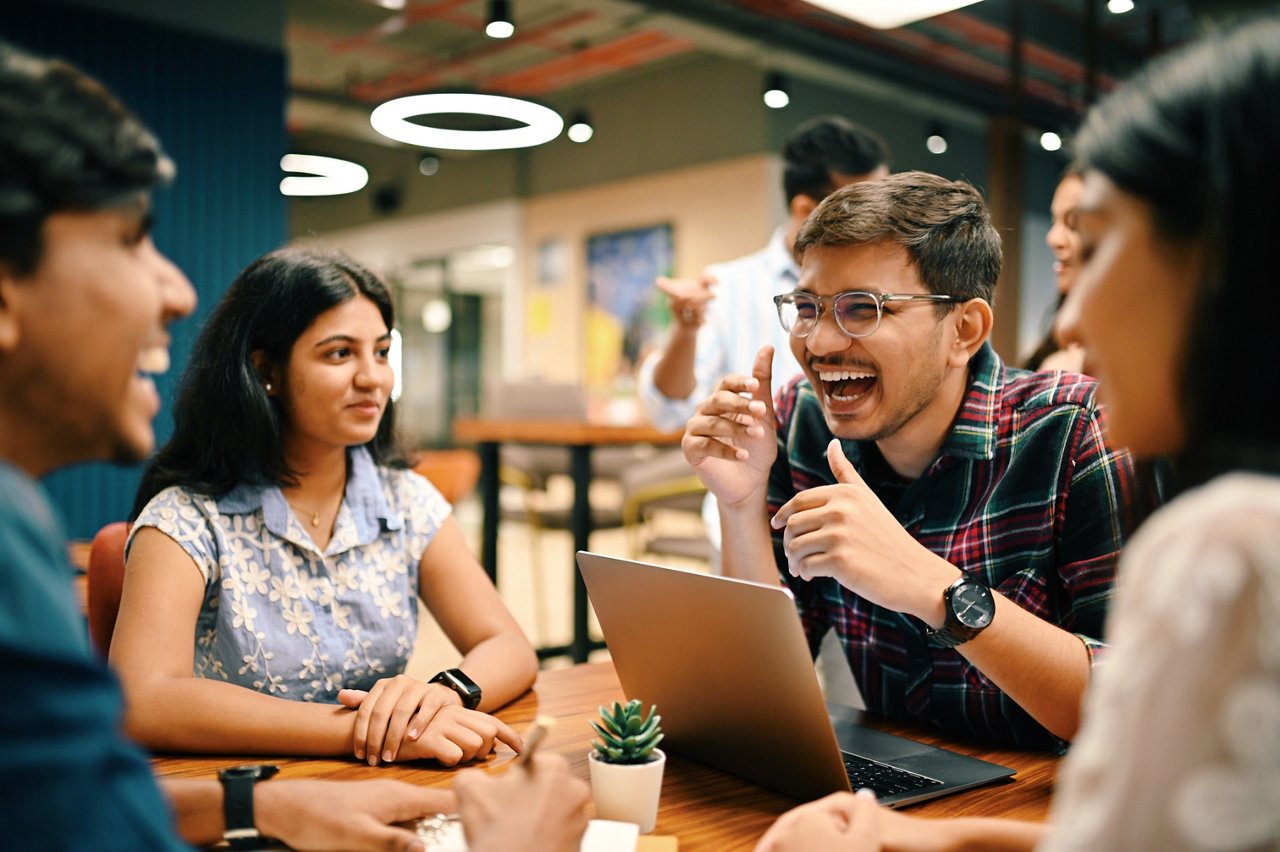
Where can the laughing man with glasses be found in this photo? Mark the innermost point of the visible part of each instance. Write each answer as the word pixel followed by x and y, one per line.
pixel 954 520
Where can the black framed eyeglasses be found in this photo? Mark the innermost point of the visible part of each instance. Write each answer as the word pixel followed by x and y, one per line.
pixel 857 312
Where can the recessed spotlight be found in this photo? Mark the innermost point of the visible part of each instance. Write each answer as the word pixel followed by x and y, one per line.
pixel 321 175
pixel 1119 7
pixel 1050 141
pixel 541 123
pixel 429 165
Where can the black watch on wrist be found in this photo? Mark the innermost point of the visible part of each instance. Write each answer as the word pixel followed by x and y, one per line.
pixel 461 684
pixel 240 831
pixel 970 607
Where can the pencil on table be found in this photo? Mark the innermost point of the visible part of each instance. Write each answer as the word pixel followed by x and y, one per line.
pixel 531 740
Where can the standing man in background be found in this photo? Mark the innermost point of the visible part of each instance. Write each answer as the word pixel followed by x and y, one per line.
pixel 722 317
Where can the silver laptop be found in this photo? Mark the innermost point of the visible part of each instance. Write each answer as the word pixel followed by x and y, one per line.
pixel 727 663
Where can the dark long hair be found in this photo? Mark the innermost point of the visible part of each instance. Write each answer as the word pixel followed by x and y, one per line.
pixel 227 430
pixel 1048 344
pixel 1196 137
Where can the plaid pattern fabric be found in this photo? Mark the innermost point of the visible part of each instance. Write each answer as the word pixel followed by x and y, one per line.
pixel 1025 494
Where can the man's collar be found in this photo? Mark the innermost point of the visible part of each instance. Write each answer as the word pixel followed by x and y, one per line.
pixel 973 434
pixel 779 257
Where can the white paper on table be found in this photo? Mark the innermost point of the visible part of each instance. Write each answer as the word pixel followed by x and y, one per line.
pixel 602 835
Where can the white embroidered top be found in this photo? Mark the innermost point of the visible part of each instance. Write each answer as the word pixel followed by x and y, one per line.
pixel 1180 746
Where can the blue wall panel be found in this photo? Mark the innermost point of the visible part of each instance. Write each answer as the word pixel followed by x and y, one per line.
pixel 218 108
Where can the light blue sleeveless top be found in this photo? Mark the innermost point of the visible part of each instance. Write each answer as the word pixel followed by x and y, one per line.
pixel 282 618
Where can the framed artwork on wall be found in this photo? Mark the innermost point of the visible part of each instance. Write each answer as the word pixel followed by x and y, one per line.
pixel 625 311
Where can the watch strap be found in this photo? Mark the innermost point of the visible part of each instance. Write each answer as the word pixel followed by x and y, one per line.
pixel 953 632
pixel 950 637
pixel 239 826
pixel 468 690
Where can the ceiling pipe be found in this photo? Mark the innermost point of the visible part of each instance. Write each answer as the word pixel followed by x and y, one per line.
pixel 1091 51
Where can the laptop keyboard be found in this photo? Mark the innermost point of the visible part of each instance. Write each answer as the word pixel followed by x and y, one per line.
pixel 883 779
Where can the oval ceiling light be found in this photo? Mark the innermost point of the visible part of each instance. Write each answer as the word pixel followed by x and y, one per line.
pixel 323 175
pixel 541 123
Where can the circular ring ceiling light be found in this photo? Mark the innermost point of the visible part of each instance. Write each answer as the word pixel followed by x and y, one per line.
pixel 323 175
pixel 541 123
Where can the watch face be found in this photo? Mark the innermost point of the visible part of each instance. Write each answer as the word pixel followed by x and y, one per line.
pixel 973 605
pixel 467 688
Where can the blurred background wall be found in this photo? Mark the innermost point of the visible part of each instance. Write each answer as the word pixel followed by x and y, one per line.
pixel 487 251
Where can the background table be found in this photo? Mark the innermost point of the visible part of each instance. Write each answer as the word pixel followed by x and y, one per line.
pixel 581 438
pixel 705 808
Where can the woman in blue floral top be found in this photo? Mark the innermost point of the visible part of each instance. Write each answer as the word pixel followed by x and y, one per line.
pixel 280 546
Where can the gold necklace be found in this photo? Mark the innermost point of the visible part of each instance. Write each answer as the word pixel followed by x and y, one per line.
pixel 315 516
pixel 302 512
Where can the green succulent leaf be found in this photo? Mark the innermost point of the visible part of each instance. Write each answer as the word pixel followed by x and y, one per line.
pixel 627 734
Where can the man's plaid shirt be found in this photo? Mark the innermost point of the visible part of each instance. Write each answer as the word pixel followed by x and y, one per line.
pixel 1025 494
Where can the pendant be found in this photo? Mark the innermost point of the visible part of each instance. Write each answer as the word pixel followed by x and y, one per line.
pixel 315 519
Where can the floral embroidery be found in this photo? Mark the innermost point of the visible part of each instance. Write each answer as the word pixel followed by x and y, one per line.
pixel 282 618
pixel 1181 740
pixel 1235 804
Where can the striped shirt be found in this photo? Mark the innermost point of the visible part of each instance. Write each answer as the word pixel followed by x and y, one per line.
pixel 1025 494
pixel 739 320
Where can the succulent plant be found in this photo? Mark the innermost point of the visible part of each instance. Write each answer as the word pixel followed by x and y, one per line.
pixel 627 736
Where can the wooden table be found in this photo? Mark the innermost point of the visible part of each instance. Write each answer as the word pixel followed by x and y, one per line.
pixel 703 807
pixel 581 438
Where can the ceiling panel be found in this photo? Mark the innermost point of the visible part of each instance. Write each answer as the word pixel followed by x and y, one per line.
pixel 357 53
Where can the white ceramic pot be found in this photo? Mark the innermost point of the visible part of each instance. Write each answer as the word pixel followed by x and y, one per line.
pixel 628 792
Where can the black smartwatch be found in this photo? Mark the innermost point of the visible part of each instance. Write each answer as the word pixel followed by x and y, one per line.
pixel 240 831
pixel 461 684
pixel 970 607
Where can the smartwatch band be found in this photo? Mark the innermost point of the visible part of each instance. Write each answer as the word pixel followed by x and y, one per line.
pixel 240 829
pixel 468 690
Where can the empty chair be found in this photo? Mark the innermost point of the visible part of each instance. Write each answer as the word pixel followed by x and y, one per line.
pixel 664 485
pixel 105 578
pixel 530 468
pixel 453 472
